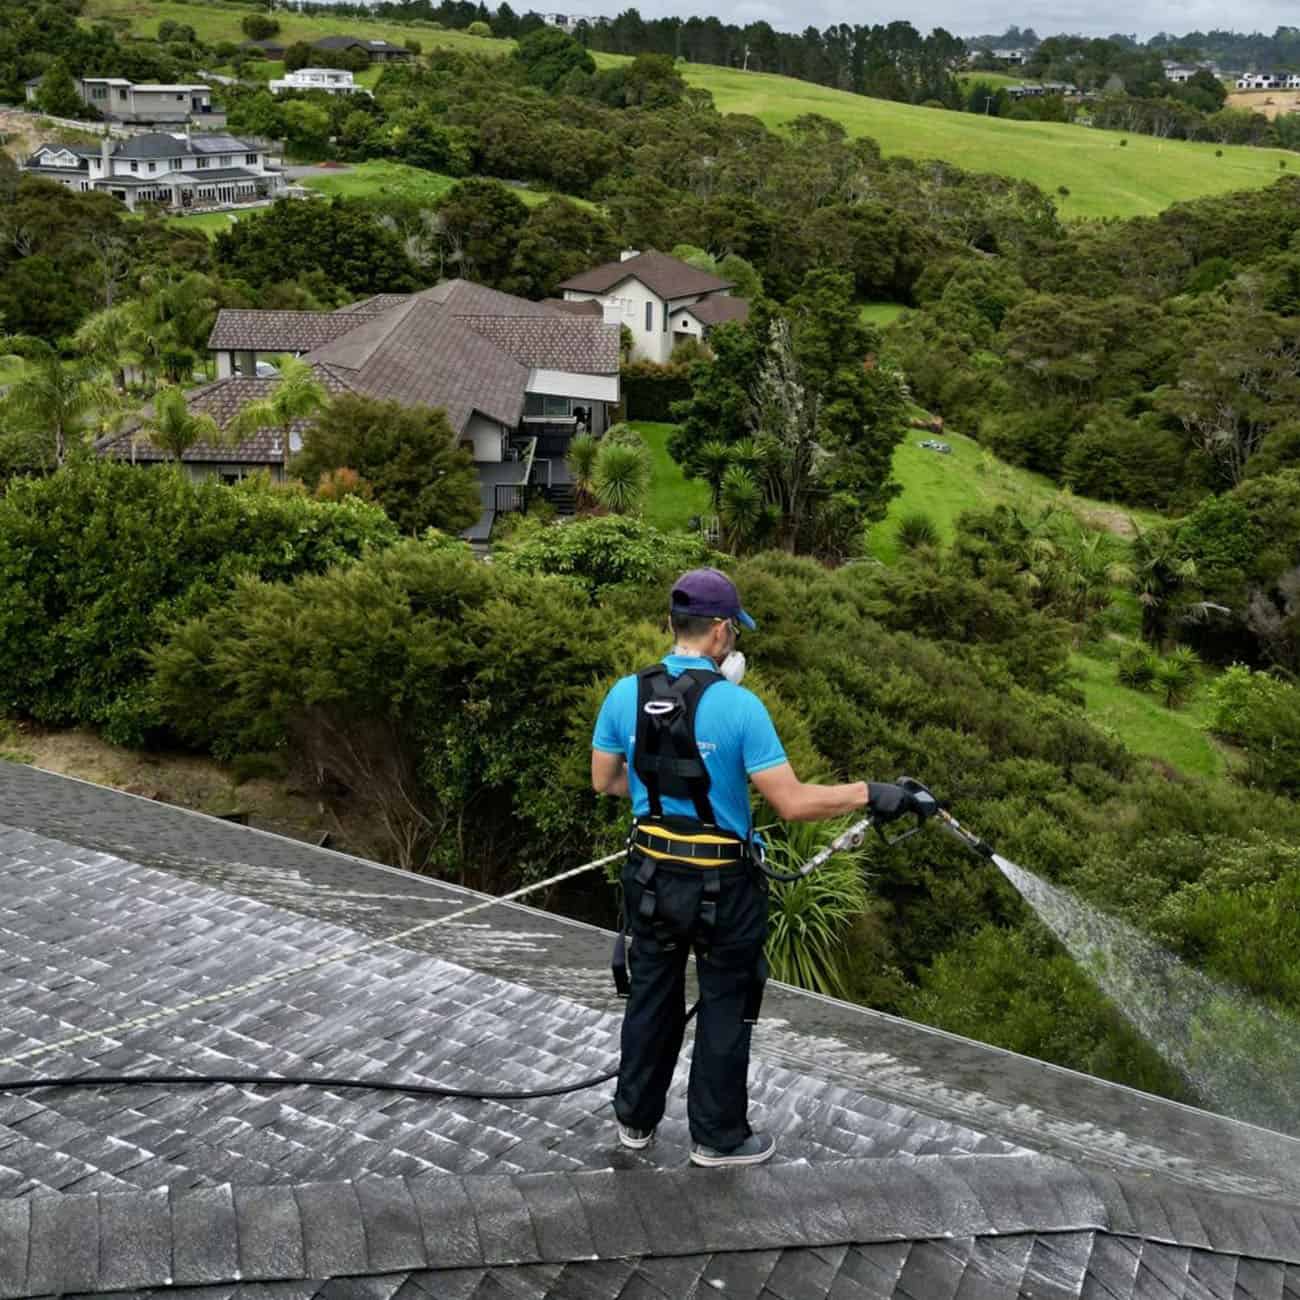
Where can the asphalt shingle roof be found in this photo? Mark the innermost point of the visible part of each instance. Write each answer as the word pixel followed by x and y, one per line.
pixel 136 936
pixel 582 345
pixel 278 331
pixel 719 309
pixel 669 277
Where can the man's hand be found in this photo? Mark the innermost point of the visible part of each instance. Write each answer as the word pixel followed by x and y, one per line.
pixel 887 802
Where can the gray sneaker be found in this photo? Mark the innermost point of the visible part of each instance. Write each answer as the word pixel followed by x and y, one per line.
pixel 637 1139
pixel 755 1149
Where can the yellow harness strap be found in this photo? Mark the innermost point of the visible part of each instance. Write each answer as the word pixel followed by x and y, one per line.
pixel 668 838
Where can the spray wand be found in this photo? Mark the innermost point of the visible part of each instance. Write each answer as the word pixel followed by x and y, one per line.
pixel 853 837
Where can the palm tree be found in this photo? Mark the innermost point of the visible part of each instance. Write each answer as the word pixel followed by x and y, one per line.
pixel 56 402
pixel 741 505
pixel 583 451
pixel 172 427
pixel 297 395
pixel 712 461
pixel 1161 572
pixel 621 477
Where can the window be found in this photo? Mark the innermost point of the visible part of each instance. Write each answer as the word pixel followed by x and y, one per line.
pixel 135 166
pixel 180 99
pixel 250 159
pixel 121 95
pixel 544 406
pixel 153 167
pixel 649 317
pixel 200 162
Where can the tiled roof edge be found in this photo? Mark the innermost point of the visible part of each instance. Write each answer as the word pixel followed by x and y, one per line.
pixel 210 1235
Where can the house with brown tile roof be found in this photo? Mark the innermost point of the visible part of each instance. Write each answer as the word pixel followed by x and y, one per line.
pixel 517 380
pixel 650 293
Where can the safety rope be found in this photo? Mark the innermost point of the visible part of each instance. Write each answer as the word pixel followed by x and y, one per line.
pixel 287 972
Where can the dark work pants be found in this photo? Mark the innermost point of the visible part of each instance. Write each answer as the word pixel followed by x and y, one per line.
pixel 729 968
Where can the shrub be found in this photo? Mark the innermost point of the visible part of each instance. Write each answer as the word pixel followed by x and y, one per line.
pixel 917 529
pixel 1176 676
pixel 478 28
pixel 1137 668
pixel 97 559
pixel 258 27
pixel 1239 695
pixel 621 477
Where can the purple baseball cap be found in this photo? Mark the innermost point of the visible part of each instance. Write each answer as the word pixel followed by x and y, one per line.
pixel 709 593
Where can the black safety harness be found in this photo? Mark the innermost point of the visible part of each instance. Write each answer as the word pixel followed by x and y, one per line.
pixel 667 759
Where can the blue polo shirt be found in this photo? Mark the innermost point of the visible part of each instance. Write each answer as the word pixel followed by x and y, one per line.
pixel 734 733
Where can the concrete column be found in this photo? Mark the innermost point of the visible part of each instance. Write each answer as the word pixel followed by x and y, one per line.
pixel 224 367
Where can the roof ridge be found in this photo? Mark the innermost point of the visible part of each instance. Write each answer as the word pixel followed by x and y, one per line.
pixel 112 1241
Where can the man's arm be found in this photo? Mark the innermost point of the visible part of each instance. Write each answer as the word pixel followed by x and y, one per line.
pixel 794 801
pixel 609 774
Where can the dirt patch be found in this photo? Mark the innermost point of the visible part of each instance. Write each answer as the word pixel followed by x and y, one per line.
pixel 1268 102
pixel 22 133
pixel 189 780
pixel 1113 521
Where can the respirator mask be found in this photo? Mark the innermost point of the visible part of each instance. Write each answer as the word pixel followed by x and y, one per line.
pixel 733 667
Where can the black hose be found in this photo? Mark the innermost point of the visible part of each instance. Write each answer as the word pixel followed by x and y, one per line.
pixel 313 1081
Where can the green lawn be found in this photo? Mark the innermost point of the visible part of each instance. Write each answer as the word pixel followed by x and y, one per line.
pixel 994 79
pixel 673 497
pixel 1176 736
pixel 970 478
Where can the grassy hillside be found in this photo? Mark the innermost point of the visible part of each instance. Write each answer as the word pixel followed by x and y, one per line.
pixel 1104 179
pixel 214 21
pixel 971 478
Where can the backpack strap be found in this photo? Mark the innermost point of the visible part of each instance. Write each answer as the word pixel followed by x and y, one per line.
pixel 666 756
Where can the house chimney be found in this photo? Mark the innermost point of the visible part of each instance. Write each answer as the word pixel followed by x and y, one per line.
pixel 106 154
pixel 628 253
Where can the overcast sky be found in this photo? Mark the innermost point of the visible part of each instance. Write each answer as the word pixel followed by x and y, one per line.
pixel 1097 18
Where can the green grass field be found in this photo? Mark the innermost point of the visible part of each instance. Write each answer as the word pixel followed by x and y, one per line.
pixel 1104 179
pixel 881 314
pixel 942 487
pixel 673 497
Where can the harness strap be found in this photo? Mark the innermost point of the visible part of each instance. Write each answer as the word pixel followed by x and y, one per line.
pixel 666 757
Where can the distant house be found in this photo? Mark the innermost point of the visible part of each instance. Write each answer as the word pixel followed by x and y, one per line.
pixel 1013 56
pixel 270 49
pixel 1037 89
pixel 333 81
pixel 1268 81
pixel 177 169
pixel 379 51
pixel 660 299
pixel 517 380
pixel 144 104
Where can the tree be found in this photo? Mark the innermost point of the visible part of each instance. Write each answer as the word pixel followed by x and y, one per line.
pixel 296 397
pixel 258 27
pixel 58 93
pixel 55 405
pixel 1162 573
pixel 549 55
pixel 583 451
pixel 478 29
pixel 341 240
pixel 559 240
pixel 301 54
pixel 480 225
pixel 172 427
pixel 621 477
pixel 408 457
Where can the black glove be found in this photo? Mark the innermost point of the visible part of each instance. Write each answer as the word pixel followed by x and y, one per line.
pixel 887 802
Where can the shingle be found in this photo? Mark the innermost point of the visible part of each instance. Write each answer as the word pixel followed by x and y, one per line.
pixel 334 1240
pixel 270 1232
pixel 1162 1270
pixel 1058 1264
pixel 559 1220
pixel 1112 1268
pixel 801 1275
pixel 394 1238
pixel 205 1237
pixel 451 1235
pixel 1215 1274
pixel 278 331
pixel 669 1219
pixel 15 1224
pixel 64 1246
pixel 612 1216
pixel 1259 1280
pixel 996 1268
pixel 135 1245
pixel 739 1273
pixel 505 1229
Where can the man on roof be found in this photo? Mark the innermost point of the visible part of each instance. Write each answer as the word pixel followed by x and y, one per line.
pixel 682 739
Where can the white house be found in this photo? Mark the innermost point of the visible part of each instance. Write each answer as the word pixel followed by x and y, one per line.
pixel 179 170
pixel 333 81
pixel 660 299
pixel 1016 56
pixel 1269 81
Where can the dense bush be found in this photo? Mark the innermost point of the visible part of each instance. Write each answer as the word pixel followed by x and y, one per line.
pixel 97 559
pixel 649 391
